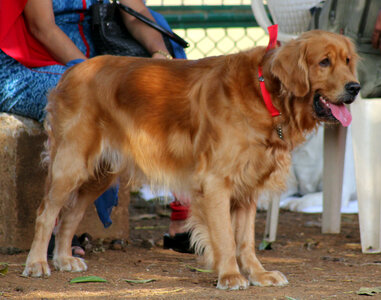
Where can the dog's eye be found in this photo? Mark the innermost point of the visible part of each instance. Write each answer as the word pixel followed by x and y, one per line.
pixel 325 62
pixel 348 60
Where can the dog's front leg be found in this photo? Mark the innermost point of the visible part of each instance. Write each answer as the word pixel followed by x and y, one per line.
pixel 244 227
pixel 212 212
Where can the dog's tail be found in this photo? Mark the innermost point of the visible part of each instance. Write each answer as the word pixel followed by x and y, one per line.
pixel 45 154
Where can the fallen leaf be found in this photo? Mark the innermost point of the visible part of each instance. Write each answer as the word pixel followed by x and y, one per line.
pixel 143 217
pixel 199 270
pixel 149 227
pixel 3 268
pixel 281 260
pixel 87 279
pixel 139 280
pixel 330 258
pixel 265 245
pixel 168 292
pixel 353 246
pixel 371 264
pixel 290 298
pixel 369 291
pixel 311 244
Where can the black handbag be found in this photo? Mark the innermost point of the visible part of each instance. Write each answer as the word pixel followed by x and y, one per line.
pixel 110 35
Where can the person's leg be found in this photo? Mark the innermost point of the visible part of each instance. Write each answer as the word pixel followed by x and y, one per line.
pixel 178 238
pixel 179 214
pixel 23 91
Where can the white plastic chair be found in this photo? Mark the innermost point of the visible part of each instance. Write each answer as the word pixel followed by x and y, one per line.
pixel 366 139
pixel 293 17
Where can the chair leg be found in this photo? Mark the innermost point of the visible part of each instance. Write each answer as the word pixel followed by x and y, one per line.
pixel 366 139
pixel 272 220
pixel 334 153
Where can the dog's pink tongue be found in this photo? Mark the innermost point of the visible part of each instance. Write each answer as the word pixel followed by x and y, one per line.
pixel 341 113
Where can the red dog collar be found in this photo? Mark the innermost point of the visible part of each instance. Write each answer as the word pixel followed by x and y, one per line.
pixel 273 33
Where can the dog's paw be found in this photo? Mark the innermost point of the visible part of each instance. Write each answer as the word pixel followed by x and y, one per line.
pixel 268 278
pixel 70 263
pixel 37 269
pixel 232 282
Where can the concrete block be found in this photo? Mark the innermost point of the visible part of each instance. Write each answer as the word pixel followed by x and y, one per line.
pixel 22 180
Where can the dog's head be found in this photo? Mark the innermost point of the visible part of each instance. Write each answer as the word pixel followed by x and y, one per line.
pixel 319 66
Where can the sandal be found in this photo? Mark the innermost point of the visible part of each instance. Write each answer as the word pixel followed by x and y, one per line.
pixel 76 249
pixel 180 242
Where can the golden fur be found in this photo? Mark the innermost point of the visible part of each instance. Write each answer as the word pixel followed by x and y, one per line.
pixel 199 127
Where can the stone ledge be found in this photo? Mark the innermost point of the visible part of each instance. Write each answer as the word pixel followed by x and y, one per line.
pixel 22 179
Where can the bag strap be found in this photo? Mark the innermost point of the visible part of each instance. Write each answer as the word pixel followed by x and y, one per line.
pixel 154 25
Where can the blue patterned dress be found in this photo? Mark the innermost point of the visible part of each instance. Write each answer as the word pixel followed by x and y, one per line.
pixel 23 90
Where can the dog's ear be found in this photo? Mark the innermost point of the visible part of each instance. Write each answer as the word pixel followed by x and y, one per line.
pixel 289 64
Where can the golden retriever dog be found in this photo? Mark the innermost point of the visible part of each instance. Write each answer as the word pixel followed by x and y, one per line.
pixel 199 127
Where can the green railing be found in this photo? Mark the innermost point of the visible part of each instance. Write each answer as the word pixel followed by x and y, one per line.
pixel 212 27
pixel 208 16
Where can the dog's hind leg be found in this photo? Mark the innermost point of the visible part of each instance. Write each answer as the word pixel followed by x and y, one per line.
pixel 64 178
pixel 69 220
pixel 243 219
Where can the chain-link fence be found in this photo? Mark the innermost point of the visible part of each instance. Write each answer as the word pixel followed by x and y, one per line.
pixel 212 27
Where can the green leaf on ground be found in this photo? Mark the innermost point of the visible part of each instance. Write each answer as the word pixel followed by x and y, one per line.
pixel 290 298
pixel 198 269
pixel 369 291
pixel 139 280
pixel 265 245
pixel 87 279
pixel 3 268
pixel 149 227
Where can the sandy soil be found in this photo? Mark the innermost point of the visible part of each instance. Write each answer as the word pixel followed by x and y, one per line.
pixel 317 266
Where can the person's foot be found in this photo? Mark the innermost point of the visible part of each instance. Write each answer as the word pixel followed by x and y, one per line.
pixel 178 239
pixel 77 251
pixel 176 226
pixel 76 248
pixel 180 242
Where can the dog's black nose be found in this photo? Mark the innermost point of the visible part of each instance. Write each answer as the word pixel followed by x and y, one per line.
pixel 353 88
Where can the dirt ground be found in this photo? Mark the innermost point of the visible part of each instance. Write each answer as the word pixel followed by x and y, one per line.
pixel 317 266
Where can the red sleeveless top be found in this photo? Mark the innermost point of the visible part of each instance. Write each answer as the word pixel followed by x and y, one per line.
pixel 15 38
